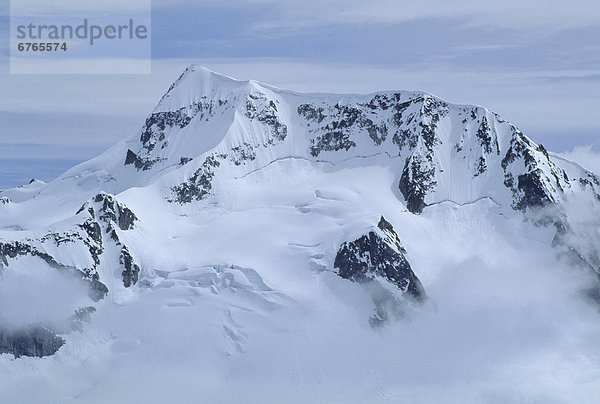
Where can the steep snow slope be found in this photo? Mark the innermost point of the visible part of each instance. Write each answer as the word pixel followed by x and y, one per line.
pixel 242 216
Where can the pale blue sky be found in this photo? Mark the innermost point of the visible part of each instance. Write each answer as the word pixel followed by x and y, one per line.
pixel 537 63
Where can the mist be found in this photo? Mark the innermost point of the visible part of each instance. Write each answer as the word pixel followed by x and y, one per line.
pixel 33 293
pixel 510 322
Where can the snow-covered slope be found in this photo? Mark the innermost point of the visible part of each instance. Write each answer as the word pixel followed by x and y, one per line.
pixel 248 210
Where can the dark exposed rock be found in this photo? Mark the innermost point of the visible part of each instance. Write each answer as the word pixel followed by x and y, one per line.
pixel 331 141
pixel 110 211
pixel 484 134
pixel 241 154
pixel 131 158
pixel 372 256
pixel 94 240
pixel 411 121
pixel 418 174
pixel 33 340
pixel 140 163
pixel 417 178
pixel 533 192
pixel 375 259
pixel 391 237
pixel 260 108
pixel 517 148
pixel 530 189
pixel 157 123
pixel 198 186
pixel 93 230
pixel 131 271
pixel 404 138
pixel 311 112
pixel 97 289
pixel 338 121
pixel 184 160
pixel 14 249
pixel 480 166
pixel 431 112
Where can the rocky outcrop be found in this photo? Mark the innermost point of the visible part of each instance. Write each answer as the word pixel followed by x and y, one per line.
pixel 416 181
pixel 105 212
pixel 131 269
pixel 33 340
pixel 264 110
pixel 376 260
pixel 378 255
pixel 533 187
pixel 198 186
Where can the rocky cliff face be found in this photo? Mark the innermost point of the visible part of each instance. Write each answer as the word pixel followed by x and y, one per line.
pixel 375 258
pixel 378 255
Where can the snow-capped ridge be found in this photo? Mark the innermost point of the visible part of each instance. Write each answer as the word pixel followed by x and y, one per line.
pixel 197 83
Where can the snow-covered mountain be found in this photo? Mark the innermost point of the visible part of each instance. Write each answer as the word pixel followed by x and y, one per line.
pixel 240 210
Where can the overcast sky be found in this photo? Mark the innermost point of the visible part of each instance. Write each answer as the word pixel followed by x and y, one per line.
pixel 537 63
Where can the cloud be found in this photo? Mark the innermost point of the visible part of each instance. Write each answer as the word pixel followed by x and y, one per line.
pixel 586 156
pixel 31 292
pixel 74 8
pixel 505 322
pixel 511 14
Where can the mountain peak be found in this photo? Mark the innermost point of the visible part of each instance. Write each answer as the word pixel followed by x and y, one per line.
pixel 197 82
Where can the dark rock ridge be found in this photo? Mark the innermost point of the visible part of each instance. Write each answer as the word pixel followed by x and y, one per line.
pixel 104 211
pixel 417 179
pixel 378 255
pixel 33 340
pixel 375 259
pixel 533 188
pixel 412 123
pixel 131 269
pixel 112 212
